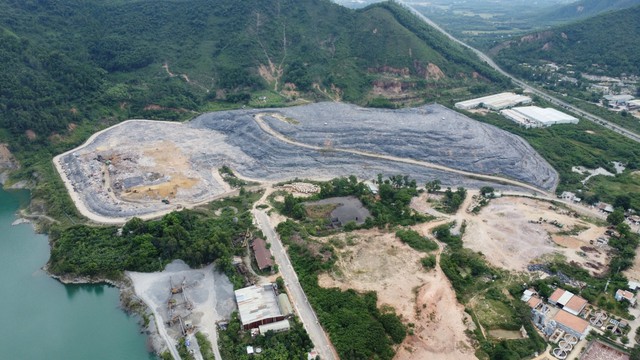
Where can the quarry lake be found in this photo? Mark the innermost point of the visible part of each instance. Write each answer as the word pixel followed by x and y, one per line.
pixel 44 319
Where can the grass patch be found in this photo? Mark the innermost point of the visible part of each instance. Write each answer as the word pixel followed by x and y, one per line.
pixel 612 187
pixel 267 98
pixel 494 314
pixel 320 211
pixel 416 241
pixel 206 349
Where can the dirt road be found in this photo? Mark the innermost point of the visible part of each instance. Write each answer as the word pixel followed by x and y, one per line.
pixel 494 179
pixel 162 330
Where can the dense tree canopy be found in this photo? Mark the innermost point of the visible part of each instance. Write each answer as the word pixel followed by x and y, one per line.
pixel 66 61
pixel 148 246
pixel 610 41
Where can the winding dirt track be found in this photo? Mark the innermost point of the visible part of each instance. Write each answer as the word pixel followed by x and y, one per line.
pixel 495 179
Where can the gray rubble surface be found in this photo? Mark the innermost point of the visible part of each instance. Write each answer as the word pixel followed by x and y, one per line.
pixel 430 133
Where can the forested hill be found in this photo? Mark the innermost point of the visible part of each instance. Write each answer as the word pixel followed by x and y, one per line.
pixel 67 61
pixel 610 41
pixel 584 9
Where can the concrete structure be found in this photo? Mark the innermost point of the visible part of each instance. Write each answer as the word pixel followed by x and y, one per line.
pixel 549 320
pixel 494 102
pixel 528 294
pixel 285 305
pixel 633 104
pixel 617 100
pixel 534 301
pixel 262 254
pixel 634 285
pixel 372 187
pixel 258 305
pixel 567 301
pixel 554 322
pixel 604 207
pixel 567 195
pixel 626 295
pixel 534 116
pixel 634 219
pixel 278 326
pixel 571 324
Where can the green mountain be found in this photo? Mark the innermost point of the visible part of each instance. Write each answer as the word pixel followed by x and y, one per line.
pixel 584 9
pixel 66 61
pixel 610 41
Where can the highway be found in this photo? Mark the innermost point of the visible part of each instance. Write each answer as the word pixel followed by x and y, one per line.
pixel 553 100
pixel 300 301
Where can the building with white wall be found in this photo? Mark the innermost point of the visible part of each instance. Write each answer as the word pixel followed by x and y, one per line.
pixel 494 102
pixel 534 116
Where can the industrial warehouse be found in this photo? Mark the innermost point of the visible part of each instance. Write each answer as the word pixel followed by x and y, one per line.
pixel 534 116
pixel 259 306
pixel 494 102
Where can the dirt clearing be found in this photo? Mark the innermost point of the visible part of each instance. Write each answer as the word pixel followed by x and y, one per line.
pixel 375 261
pixel 510 233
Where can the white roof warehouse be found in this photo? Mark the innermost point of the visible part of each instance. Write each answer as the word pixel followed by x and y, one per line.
pixel 533 116
pixel 494 102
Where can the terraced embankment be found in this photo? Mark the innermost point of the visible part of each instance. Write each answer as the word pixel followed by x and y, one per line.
pixel 128 169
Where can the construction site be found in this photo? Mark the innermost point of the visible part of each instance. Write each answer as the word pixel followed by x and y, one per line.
pixel 514 232
pixel 148 168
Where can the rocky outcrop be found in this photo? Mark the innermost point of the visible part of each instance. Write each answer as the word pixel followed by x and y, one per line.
pixel 390 70
pixel 429 72
pixel 391 87
pixel 537 36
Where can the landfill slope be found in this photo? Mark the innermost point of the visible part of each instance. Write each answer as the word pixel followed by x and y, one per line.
pixel 431 133
pixel 133 168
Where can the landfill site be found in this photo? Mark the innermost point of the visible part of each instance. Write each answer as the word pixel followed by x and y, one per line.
pixel 146 168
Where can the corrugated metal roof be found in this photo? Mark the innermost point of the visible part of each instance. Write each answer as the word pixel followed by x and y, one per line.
pixel 285 305
pixel 576 303
pixel 256 303
pixel 501 100
pixel 556 295
pixel 571 321
pixel 276 326
pixel 544 115
pixel 564 299
pixel 262 254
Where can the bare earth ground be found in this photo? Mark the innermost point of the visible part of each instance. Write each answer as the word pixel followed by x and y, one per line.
pixel 504 234
pixel 633 273
pixel 380 262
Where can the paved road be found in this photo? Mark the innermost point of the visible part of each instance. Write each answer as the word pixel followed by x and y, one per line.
pixel 554 100
pixel 300 302
pixel 195 347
